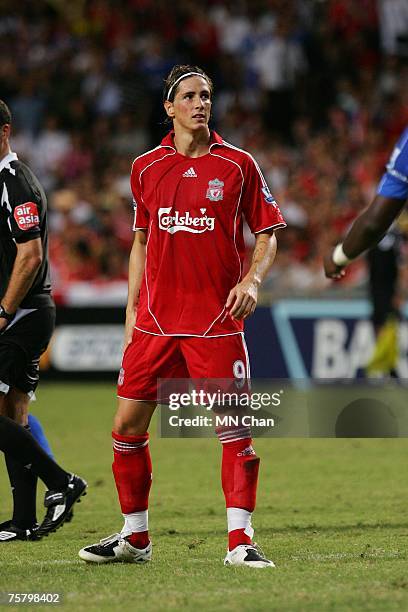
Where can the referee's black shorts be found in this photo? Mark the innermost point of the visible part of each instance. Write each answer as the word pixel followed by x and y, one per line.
pixel 21 346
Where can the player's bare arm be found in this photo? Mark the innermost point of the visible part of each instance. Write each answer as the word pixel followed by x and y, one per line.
pixel 243 298
pixel 366 231
pixel 26 265
pixel 136 270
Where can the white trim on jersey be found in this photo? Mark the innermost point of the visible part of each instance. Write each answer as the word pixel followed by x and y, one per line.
pixel 132 399
pixel 276 226
pixel 248 365
pixel 264 183
pixel 147 153
pixel 187 335
pixel 151 164
pixel 235 246
pixel 160 146
pixel 150 232
pixel 227 144
pixel 147 284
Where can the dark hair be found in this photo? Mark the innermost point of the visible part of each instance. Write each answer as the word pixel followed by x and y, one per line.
pixel 177 72
pixel 5 114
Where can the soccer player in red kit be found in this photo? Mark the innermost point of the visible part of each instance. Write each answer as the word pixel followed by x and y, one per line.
pixel 187 303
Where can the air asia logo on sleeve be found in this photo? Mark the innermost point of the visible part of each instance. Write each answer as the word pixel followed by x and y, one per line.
pixel 26 216
pixel 215 191
pixel 185 222
pixel 268 197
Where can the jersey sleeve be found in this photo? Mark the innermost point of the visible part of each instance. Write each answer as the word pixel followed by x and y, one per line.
pixel 141 215
pixel 258 204
pixel 394 183
pixel 25 207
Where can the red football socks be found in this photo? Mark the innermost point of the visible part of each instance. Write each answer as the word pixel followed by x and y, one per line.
pixel 132 470
pixel 239 474
pixel 139 540
pixel 237 537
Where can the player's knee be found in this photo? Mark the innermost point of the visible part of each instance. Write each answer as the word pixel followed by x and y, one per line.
pixel 125 426
pixel 133 417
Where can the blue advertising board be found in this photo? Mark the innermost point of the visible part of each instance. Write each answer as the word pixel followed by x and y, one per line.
pixel 297 339
pixel 304 339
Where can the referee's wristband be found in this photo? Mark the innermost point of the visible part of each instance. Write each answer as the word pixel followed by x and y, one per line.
pixel 339 257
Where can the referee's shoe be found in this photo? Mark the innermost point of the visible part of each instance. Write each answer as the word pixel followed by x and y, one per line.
pixel 59 505
pixel 10 532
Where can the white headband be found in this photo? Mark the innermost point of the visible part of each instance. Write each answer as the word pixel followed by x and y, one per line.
pixel 183 76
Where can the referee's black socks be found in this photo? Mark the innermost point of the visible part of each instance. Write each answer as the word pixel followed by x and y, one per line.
pixel 24 487
pixel 25 460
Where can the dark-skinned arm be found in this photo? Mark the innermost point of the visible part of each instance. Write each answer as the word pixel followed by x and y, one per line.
pixel 366 231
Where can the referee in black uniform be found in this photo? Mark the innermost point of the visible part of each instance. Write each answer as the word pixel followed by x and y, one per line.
pixel 27 318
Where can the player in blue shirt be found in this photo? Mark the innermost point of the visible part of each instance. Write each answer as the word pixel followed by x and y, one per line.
pixel 369 227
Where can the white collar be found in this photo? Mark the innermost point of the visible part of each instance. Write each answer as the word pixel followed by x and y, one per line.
pixel 7 160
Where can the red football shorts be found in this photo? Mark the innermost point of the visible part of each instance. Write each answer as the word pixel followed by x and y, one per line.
pixel 150 357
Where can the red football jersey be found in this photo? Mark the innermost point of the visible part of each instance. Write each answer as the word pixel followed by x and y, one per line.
pixel 193 209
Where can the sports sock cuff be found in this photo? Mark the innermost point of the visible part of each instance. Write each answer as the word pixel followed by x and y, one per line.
pixel 233 434
pixel 130 438
pixel 240 448
pixel 129 444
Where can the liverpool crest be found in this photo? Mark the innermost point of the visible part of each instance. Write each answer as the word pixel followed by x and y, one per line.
pixel 215 191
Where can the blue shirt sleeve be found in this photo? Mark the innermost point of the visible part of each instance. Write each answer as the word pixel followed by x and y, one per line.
pixel 394 183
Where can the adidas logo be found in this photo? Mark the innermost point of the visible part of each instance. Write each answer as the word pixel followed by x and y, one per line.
pixel 246 452
pixel 190 173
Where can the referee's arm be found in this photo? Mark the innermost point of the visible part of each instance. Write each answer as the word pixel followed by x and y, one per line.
pixel 26 264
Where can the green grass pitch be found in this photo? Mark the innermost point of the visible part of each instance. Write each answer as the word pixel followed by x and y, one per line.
pixel 332 514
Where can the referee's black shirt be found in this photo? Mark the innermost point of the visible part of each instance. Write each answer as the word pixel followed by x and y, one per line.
pixel 23 217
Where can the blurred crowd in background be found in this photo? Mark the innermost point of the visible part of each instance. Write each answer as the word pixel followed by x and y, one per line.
pixel 316 90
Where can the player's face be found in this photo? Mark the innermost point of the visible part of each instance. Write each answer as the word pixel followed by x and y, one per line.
pixel 191 107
